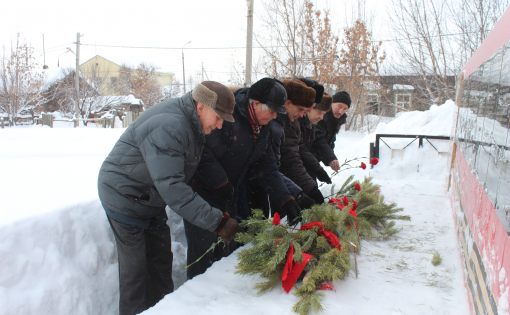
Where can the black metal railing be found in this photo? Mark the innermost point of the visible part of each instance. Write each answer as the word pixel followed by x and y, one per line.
pixel 374 147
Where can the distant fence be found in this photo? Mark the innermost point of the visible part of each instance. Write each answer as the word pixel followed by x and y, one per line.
pixel 48 120
pixel 129 118
pixel 5 121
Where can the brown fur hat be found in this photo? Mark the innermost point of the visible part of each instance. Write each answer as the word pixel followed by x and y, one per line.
pixel 299 93
pixel 325 104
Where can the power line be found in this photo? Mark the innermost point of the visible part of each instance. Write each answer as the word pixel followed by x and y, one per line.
pixel 417 38
pixel 175 48
pixel 256 47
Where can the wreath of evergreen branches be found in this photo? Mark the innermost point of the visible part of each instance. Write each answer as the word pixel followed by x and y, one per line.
pixel 269 243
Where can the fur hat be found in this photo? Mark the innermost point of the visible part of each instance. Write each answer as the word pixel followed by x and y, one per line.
pixel 319 88
pixel 217 96
pixel 325 104
pixel 342 97
pixel 299 93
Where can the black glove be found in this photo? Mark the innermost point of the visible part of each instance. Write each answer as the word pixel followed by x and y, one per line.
pixel 227 228
pixel 293 212
pixel 323 176
pixel 316 195
pixel 304 201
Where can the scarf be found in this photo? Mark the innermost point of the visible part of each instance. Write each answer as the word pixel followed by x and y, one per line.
pixel 254 123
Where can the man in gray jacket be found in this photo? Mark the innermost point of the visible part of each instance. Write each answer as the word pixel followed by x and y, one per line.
pixel 150 167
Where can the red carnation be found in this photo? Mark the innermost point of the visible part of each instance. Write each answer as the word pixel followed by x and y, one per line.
pixel 363 165
pixel 354 205
pixel 357 186
pixel 345 200
pixel 333 200
pixel 327 285
pixel 374 161
pixel 276 218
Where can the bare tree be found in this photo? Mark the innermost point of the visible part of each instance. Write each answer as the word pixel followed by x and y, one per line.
pixel 304 44
pixel 321 45
pixel 123 86
pixel 359 61
pixel 286 51
pixel 142 83
pixel 301 41
pixel 474 19
pixel 21 82
pixel 145 86
pixel 425 46
pixel 60 94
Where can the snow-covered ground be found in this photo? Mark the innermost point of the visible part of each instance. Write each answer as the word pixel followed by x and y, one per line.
pixel 57 253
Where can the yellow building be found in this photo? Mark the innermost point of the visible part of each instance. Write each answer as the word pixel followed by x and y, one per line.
pixel 105 74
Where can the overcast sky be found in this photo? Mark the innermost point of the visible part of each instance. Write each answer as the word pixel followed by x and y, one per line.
pixel 215 30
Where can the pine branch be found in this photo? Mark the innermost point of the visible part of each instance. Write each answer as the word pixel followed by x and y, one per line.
pixel 308 303
pixel 271 282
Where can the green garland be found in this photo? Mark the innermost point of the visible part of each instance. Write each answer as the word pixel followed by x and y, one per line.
pixel 363 214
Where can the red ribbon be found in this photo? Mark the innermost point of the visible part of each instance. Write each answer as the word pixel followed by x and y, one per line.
pixel 330 236
pixel 292 270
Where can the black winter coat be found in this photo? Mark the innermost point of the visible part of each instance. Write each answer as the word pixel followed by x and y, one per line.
pixel 325 137
pixel 291 163
pixel 152 164
pixel 232 155
pixel 308 135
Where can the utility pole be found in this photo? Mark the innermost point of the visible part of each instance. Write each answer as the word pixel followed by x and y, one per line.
pixel 249 42
pixel 184 72
pixel 77 83
pixel 45 66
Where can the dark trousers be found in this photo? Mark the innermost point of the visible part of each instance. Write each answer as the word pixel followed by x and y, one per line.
pixel 145 264
pixel 199 241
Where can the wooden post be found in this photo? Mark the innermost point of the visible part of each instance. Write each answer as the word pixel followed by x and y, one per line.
pixel 458 101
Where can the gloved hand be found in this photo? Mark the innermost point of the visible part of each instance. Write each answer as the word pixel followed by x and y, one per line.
pixel 293 212
pixel 227 228
pixel 316 195
pixel 304 201
pixel 323 176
